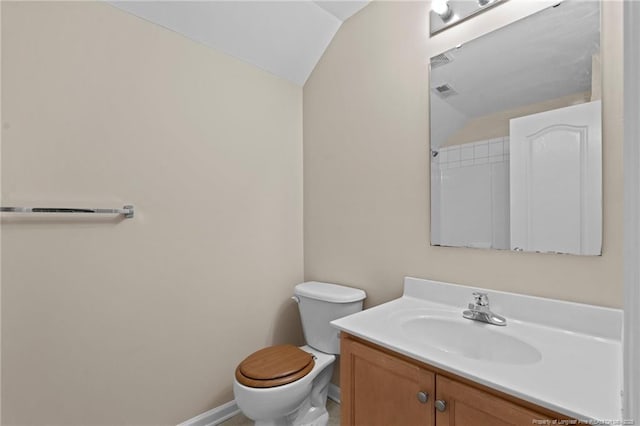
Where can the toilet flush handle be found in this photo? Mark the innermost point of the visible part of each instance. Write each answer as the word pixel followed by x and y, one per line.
pixel 295 299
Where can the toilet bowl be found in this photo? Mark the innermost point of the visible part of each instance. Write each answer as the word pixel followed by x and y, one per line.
pixel 300 402
pixel 288 386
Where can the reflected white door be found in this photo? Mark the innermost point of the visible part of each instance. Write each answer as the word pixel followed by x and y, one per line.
pixel 556 180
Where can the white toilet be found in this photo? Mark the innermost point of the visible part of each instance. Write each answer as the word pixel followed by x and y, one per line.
pixel 287 386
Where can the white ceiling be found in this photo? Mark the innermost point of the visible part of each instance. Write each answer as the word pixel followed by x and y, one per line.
pixel 286 38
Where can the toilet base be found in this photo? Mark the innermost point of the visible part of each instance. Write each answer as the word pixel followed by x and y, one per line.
pixel 314 417
pixel 313 410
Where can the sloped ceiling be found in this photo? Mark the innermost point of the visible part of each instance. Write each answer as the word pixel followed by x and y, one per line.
pixel 286 38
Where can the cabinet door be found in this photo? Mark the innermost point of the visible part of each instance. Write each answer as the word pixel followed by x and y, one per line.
pixel 468 406
pixel 380 389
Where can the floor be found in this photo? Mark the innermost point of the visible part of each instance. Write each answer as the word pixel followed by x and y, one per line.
pixel 332 407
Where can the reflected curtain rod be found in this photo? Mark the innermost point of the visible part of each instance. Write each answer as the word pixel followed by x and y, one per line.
pixel 126 211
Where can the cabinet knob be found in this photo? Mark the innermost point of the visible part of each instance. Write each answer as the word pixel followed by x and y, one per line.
pixel 440 405
pixel 423 397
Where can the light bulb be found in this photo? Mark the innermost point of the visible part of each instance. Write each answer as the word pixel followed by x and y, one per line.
pixel 441 7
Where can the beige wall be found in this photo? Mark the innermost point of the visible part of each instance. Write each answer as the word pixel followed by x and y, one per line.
pixel 141 321
pixel 366 169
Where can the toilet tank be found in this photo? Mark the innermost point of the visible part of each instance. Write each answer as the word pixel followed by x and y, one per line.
pixel 319 303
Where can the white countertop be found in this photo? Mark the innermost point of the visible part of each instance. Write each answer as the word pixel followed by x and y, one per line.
pixel 579 373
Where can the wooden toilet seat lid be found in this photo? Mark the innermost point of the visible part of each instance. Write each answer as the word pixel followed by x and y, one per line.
pixel 274 366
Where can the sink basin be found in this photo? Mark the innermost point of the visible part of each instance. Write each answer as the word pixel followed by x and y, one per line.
pixel 470 339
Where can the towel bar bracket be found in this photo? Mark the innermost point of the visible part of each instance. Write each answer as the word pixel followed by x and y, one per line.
pixel 129 214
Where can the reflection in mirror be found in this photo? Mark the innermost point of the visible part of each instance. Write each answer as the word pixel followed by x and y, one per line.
pixel 516 152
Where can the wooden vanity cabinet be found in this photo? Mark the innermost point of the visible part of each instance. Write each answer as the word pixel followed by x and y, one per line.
pixel 383 388
pixel 378 389
pixel 466 405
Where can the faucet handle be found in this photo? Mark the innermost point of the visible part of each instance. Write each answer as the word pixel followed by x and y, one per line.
pixel 481 298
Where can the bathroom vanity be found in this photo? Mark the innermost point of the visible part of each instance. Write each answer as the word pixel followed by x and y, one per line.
pixel 415 360
pixel 383 387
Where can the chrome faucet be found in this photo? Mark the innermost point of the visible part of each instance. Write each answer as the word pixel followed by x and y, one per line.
pixel 479 311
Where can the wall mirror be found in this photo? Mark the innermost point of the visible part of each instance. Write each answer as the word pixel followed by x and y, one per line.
pixel 516 139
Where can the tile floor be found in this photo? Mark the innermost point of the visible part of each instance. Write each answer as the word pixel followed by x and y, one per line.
pixel 332 407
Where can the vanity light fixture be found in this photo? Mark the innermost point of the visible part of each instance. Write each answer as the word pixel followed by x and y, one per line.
pixel 442 9
pixel 446 13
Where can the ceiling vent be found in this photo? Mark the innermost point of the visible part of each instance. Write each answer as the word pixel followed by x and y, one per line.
pixel 444 91
pixel 440 60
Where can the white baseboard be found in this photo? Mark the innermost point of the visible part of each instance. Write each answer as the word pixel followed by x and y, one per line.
pixel 334 393
pixel 217 415
pixel 214 416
